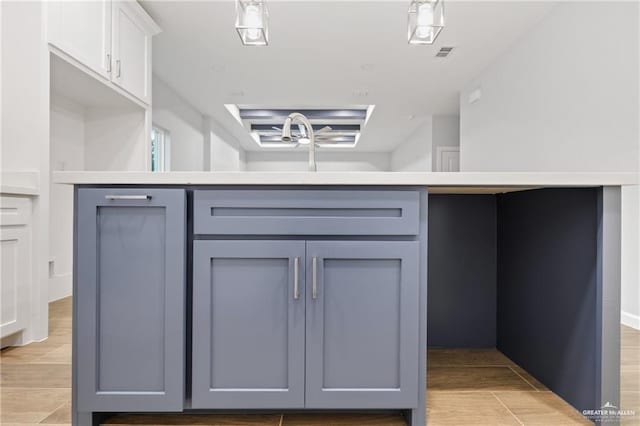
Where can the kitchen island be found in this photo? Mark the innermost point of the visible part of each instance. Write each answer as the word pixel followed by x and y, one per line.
pixel 309 291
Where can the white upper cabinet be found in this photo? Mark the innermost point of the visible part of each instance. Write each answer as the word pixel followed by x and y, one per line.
pixel 132 49
pixel 82 29
pixel 112 38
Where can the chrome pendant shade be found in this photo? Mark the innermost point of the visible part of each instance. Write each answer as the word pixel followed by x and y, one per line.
pixel 252 22
pixel 426 20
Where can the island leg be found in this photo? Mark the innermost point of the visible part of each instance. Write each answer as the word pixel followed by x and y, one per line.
pixel 416 417
pixel 86 419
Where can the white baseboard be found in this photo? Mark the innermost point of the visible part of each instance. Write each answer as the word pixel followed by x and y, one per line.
pixel 631 320
pixel 60 286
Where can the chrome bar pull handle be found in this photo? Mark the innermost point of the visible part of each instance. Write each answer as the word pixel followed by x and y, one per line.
pixel 118 68
pixel 127 197
pixel 314 278
pixel 109 63
pixel 296 271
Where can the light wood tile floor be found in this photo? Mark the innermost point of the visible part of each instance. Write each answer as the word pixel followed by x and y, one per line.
pixel 467 387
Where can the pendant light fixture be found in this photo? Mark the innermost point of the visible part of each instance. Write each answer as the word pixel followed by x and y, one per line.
pixel 426 20
pixel 252 20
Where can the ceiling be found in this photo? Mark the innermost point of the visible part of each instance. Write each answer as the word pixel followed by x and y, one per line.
pixel 332 53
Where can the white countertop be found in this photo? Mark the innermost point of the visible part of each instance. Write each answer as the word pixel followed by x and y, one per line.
pixel 454 182
pixel 19 182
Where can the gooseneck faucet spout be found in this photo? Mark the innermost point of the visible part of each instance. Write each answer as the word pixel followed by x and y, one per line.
pixel 286 136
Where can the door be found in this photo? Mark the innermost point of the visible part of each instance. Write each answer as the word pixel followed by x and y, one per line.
pixel 448 159
pixel 248 324
pixel 362 324
pixel 82 29
pixel 130 290
pixel 131 50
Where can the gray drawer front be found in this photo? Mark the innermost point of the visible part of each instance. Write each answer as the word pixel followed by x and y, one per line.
pixel 306 212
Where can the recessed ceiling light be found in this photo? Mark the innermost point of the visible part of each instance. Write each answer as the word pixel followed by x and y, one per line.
pixel 362 93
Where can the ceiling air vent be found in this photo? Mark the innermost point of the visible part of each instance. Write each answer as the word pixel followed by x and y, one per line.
pixel 444 52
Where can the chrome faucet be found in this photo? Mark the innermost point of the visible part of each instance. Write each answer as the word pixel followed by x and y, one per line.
pixel 309 139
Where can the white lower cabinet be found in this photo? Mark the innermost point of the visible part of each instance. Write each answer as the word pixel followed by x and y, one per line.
pixel 15 263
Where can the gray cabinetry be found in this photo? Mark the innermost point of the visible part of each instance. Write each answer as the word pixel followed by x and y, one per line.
pixel 129 299
pixel 306 212
pixel 248 324
pixel 295 299
pixel 362 324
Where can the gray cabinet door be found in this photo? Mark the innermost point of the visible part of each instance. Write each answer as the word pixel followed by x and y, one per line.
pixel 362 324
pixel 130 291
pixel 248 324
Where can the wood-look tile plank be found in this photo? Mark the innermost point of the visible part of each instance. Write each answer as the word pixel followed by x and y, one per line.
pixel 631 401
pixel 629 336
pixel 541 408
pixel 60 355
pixel 60 318
pixel 467 357
pixel 529 378
pixel 475 379
pixel 63 324
pixel 630 380
pixel 630 358
pixel 29 353
pixel 466 408
pixel 62 415
pixel 195 419
pixel 35 375
pixel 29 405
pixel 34 424
pixel 346 419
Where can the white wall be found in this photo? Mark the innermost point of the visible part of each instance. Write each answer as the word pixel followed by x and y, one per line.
pixel 325 160
pixel 67 135
pixel 112 139
pixel 414 154
pixel 185 125
pixel 24 135
pixel 564 98
pixel 419 152
pixel 446 132
pixel 222 151
pixel 631 256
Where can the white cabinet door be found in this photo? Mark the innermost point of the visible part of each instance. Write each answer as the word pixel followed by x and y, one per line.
pixel 131 49
pixel 82 30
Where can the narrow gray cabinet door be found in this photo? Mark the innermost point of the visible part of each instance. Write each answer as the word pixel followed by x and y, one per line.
pixel 248 324
pixel 362 324
pixel 130 290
